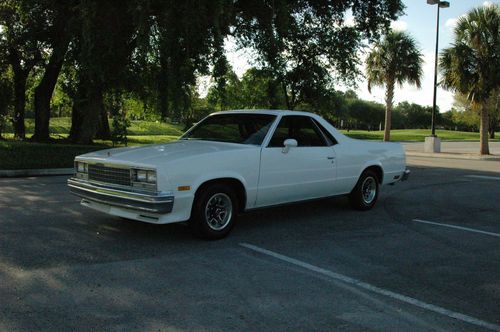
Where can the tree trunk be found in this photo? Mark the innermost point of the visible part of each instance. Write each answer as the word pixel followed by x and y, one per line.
pixel 20 78
pixel 483 131
pixel 163 92
pixel 389 96
pixel 77 111
pixel 85 117
pixel 45 89
pixel 285 93
pixel 272 94
pixel 90 118
pixel 103 130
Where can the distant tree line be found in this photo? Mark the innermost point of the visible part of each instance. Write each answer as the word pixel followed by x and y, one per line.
pixel 464 117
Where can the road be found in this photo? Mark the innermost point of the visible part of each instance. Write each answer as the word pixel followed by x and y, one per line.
pixel 425 258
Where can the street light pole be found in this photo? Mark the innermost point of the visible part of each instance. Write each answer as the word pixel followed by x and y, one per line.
pixel 433 117
pixel 433 144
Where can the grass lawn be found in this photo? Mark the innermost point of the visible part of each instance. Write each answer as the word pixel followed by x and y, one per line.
pixel 61 126
pixel 415 135
pixel 26 155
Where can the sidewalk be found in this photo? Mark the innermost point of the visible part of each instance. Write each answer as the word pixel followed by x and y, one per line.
pixel 454 150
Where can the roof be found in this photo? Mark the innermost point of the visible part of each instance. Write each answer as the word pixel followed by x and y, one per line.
pixel 265 111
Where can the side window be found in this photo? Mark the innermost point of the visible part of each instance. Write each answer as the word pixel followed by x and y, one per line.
pixel 300 128
pixel 329 137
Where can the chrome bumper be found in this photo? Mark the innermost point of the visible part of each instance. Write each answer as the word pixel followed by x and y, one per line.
pixel 406 175
pixel 160 203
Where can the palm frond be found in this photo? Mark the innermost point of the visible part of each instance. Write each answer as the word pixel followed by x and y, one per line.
pixel 470 65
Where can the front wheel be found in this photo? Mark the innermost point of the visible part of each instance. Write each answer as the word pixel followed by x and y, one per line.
pixel 364 195
pixel 214 212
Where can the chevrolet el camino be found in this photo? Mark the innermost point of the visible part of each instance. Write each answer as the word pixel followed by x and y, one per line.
pixel 235 161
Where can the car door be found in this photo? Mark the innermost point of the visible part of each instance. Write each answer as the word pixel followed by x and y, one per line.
pixel 299 173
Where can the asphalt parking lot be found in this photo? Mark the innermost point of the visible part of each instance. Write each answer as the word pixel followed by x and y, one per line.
pixel 427 257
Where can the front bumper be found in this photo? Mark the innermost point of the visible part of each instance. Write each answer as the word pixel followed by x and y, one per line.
pixel 158 203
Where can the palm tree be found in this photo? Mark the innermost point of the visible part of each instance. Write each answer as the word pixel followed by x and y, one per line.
pixel 471 65
pixel 394 59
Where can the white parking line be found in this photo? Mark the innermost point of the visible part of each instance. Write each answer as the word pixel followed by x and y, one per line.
pixel 375 289
pixel 483 177
pixel 457 227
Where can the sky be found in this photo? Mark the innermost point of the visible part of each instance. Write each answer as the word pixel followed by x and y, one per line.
pixel 419 20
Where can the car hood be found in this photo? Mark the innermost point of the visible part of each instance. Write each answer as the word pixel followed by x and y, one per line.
pixel 154 154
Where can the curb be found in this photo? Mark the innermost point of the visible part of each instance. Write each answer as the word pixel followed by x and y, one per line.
pixel 35 172
pixel 448 155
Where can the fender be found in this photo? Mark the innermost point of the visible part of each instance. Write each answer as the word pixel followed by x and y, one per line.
pixel 372 163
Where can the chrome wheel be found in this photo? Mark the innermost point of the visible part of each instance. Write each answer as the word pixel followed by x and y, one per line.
pixel 218 211
pixel 369 190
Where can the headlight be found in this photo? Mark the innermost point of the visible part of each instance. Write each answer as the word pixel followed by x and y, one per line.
pixel 81 167
pixel 151 177
pixel 142 176
pixel 145 176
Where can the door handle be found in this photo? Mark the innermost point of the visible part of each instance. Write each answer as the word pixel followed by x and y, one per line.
pixel 330 158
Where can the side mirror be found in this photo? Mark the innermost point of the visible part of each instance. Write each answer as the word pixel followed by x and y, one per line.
pixel 289 143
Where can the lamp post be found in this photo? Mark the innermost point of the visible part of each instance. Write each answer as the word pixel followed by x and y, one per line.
pixel 432 143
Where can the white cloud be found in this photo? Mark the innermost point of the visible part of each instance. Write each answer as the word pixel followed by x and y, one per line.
pixel 487 3
pixel 451 22
pixel 349 21
pixel 399 25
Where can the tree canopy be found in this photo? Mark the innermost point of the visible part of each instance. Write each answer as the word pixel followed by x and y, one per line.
pixel 155 50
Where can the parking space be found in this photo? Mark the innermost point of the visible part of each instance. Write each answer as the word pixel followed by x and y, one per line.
pixel 426 258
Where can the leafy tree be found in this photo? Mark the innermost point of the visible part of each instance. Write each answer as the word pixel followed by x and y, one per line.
pixel 464 117
pixel 259 89
pixel 182 39
pixel 470 66
pixel 226 92
pixel 365 114
pixel 414 116
pixel 100 54
pixel 306 44
pixel 394 60
pixel 22 26
pixel 493 112
pixel 57 38
pixel 5 95
pixel 256 89
pixel 152 51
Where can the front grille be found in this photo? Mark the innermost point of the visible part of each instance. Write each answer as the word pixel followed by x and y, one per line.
pixel 120 176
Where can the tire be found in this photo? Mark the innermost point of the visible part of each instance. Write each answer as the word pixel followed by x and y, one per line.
pixel 365 194
pixel 214 212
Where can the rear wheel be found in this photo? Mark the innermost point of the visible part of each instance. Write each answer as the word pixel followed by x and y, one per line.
pixel 214 212
pixel 365 193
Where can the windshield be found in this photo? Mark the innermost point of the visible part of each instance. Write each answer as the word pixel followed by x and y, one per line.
pixel 233 128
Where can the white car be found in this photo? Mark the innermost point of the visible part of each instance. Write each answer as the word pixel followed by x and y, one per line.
pixel 235 161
